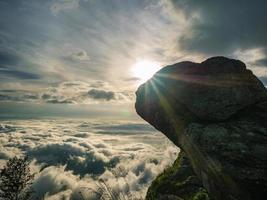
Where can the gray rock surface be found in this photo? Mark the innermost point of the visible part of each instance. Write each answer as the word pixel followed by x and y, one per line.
pixel 216 112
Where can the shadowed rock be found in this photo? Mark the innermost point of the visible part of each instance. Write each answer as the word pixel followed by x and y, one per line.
pixel 177 182
pixel 215 111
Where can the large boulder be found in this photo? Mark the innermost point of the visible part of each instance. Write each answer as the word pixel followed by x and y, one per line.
pixel 216 112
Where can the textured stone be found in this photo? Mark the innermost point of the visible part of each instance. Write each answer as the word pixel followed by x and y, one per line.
pixel 216 112
pixel 212 90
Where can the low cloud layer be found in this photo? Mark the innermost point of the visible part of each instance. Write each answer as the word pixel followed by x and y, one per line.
pixel 75 92
pixel 72 155
pixel 101 94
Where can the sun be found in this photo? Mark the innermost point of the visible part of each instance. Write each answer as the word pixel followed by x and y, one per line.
pixel 144 69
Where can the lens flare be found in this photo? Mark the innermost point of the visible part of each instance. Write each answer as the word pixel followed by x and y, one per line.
pixel 145 69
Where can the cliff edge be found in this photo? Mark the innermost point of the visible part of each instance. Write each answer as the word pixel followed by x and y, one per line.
pixel 216 113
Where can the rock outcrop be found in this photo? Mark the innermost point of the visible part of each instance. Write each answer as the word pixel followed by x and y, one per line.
pixel 216 112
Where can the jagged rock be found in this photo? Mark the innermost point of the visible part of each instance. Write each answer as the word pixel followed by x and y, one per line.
pixel 216 112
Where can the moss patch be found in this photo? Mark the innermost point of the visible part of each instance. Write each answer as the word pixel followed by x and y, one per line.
pixel 177 182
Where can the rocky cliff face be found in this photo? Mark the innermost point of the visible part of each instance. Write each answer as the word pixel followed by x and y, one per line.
pixel 216 112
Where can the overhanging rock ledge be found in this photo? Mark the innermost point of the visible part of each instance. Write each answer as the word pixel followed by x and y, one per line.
pixel 216 112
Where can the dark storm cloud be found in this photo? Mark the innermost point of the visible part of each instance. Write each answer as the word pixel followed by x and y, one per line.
pixel 101 94
pixel 219 27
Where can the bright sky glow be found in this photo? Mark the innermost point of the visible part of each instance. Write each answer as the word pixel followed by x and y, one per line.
pixel 97 52
pixel 145 69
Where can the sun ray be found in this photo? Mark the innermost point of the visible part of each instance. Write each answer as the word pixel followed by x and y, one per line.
pixel 144 69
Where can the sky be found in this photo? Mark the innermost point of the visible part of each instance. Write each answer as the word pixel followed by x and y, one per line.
pixel 65 57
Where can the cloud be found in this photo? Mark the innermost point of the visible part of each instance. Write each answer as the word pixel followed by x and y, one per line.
pixel 101 94
pixel 18 74
pixel 30 96
pixel 53 180
pixel 4 97
pixel 261 62
pixel 4 154
pixel 79 92
pixel 81 56
pixel 129 128
pixel 7 59
pixel 7 128
pixel 89 92
pixel 61 5
pixel 18 96
pixel 221 27
pixel 132 79
pixel 10 64
pixel 112 40
pixel 138 174
pixel 122 160
pixel 59 101
pixel 115 34
pixel 80 159
pixel 71 92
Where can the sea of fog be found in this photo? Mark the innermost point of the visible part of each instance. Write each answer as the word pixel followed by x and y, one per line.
pixel 70 156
